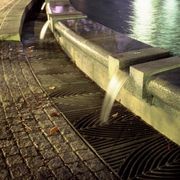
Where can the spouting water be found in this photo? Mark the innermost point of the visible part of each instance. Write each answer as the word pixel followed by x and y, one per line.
pixel 116 83
pixel 43 6
pixel 43 30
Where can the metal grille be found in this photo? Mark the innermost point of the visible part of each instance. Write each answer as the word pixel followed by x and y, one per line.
pixel 132 148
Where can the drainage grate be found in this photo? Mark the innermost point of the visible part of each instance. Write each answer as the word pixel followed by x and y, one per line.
pixel 129 146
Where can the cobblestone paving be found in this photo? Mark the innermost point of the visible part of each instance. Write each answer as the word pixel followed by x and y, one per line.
pixel 36 142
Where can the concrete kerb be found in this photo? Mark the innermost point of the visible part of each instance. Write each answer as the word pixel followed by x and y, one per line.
pixel 12 31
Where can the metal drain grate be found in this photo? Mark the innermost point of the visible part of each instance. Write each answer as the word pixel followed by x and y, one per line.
pixel 130 147
pixel 74 89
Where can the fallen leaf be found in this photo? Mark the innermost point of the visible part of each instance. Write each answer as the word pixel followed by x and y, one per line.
pixel 52 87
pixel 54 114
pixel 115 115
pixel 53 130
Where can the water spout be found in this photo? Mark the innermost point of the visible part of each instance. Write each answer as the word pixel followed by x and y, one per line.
pixel 43 6
pixel 44 29
pixel 116 83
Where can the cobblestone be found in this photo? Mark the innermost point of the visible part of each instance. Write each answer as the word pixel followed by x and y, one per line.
pixel 95 165
pixel 63 173
pixel 44 173
pixel 55 163
pixel 29 149
pixel 85 154
pixel 14 159
pixel 10 150
pixel 4 174
pixel 19 170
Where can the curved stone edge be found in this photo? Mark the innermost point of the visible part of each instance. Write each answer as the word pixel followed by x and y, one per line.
pixel 99 65
pixel 12 26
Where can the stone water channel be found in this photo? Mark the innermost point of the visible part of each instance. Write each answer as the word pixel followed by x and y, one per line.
pixel 126 145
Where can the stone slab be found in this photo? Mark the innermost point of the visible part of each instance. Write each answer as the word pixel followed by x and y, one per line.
pixel 140 56
pixel 166 87
pixel 143 72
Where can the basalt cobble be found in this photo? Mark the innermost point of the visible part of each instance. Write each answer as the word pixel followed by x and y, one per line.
pixel 36 141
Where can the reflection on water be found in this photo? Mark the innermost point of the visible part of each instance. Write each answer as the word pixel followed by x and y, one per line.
pixel 156 22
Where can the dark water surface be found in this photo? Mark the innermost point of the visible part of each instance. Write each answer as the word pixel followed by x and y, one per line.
pixel 155 22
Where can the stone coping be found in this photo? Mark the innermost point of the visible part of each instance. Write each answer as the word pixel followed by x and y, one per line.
pixel 92 53
pixel 165 86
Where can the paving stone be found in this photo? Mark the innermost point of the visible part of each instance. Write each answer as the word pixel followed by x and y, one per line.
pixel 24 141
pixel 14 120
pixel 6 143
pixel 4 174
pixel 13 160
pixel 85 154
pixel 5 132
pixel 66 130
pixel 69 157
pixel 2 162
pixel 55 163
pixel 71 137
pixel 11 112
pixel 106 174
pixel 60 122
pixel 31 125
pixel 20 134
pixel 56 139
pixel 63 173
pixel 77 168
pixel 62 148
pixel 17 128
pixel 86 175
pixel 28 151
pixel 78 145
pixel 95 164
pixel 19 170
pixel 34 162
pixel 44 173
pixel 10 150
pixel 40 141
pixel 48 153
pixel 46 124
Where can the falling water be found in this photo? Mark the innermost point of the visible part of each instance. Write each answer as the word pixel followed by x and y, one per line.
pixel 43 6
pixel 44 29
pixel 116 83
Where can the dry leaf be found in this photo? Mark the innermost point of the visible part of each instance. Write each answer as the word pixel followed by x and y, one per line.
pixel 52 87
pixel 54 114
pixel 115 115
pixel 53 130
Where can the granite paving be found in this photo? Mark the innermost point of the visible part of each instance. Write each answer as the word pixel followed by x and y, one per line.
pixel 36 140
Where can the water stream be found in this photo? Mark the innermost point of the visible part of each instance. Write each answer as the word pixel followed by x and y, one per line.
pixel 115 85
pixel 44 30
